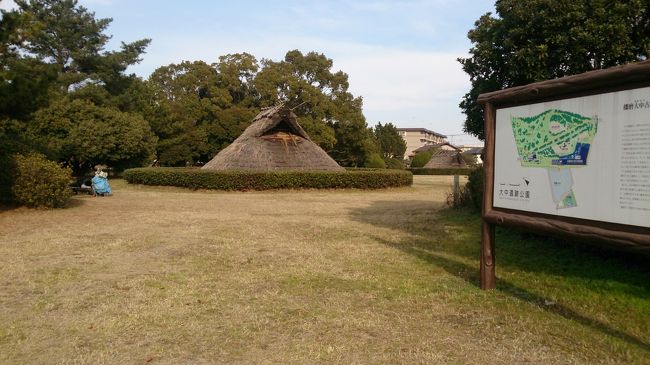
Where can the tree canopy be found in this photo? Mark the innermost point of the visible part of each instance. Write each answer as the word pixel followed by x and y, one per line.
pixel 391 144
pixel 62 44
pixel 61 89
pixel 69 97
pixel 83 135
pixel 535 40
pixel 201 107
pixel 328 112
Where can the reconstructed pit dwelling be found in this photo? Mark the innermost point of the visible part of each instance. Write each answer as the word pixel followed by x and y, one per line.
pixel 274 141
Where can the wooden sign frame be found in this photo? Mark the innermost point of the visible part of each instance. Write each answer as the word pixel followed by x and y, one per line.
pixel 631 76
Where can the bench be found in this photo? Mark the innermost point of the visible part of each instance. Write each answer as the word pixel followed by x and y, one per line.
pixel 78 190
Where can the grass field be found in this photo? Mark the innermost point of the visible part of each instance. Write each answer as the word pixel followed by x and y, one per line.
pixel 170 276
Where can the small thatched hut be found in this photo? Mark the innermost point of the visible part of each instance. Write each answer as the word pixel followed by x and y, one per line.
pixel 436 146
pixel 274 141
pixel 446 158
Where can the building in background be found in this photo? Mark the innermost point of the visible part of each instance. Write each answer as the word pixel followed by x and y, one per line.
pixel 418 137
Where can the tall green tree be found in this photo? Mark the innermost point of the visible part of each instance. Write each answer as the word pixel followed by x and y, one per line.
pixel 24 82
pixel 82 135
pixel 201 110
pixel 187 94
pixel 237 74
pixel 67 36
pixel 52 52
pixel 535 40
pixel 330 114
pixel 391 144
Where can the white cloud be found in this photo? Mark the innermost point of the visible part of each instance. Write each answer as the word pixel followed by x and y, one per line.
pixel 7 5
pixel 416 89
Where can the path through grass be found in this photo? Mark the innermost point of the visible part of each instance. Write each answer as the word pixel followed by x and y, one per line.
pixel 164 275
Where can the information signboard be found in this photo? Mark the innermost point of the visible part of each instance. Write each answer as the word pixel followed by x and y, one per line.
pixel 571 157
pixel 585 157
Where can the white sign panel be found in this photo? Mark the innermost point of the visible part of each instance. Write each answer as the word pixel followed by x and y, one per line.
pixel 585 157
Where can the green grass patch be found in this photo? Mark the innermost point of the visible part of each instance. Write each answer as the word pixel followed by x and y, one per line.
pixel 384 276
pixel 604 291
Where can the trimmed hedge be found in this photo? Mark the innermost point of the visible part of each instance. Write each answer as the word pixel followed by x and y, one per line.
pixel 456 171
pixel 195 178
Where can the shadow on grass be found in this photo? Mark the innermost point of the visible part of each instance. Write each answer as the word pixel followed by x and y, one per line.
pixel 5 207
pixel 73 203
pixel 77 202
pixel 437 235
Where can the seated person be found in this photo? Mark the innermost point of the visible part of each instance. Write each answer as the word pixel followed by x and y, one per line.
pixel 100 183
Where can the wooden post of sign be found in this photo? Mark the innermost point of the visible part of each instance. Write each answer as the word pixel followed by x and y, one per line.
pixel 488 269
pixel 488 273
pixel 456 189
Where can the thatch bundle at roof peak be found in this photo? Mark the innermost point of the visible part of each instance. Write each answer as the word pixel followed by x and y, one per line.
pixel 274 141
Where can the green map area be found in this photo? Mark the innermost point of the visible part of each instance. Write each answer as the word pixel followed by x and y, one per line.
pixel 556 140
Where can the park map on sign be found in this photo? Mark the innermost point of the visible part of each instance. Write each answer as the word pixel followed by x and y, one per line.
pixel 557 141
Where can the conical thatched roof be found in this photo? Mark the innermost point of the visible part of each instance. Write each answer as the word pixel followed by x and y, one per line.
pixel 274 141
pixel 445 159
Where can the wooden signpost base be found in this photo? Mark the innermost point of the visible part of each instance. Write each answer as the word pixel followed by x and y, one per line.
pixel 488 274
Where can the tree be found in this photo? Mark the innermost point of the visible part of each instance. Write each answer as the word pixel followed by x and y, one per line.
pixel 236 74
pixel 12 141
pixel 59 89
pixel 81 135
pixel 391 144
pixel 24 82
pixel 329 113
pixel 53 50
pixel 201 111
pixel 535 40
pixel 63 34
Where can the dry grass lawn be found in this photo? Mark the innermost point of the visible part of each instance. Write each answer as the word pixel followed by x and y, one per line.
pixel 170 276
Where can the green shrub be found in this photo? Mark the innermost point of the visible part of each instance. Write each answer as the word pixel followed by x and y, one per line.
pixel 374 161
pixel 40 182
pixel 7 178
pixel 474 187
pixel 449 171
pixel 420 159
pixel 394 163
pixel 246 180
pixel 459 198
pixel 12 142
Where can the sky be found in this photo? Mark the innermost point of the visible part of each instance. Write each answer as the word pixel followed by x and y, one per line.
pixel 400 55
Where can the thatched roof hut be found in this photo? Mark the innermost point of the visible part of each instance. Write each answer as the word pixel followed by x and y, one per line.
pixel 274 141
pixel 436 146
pixel 445 159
